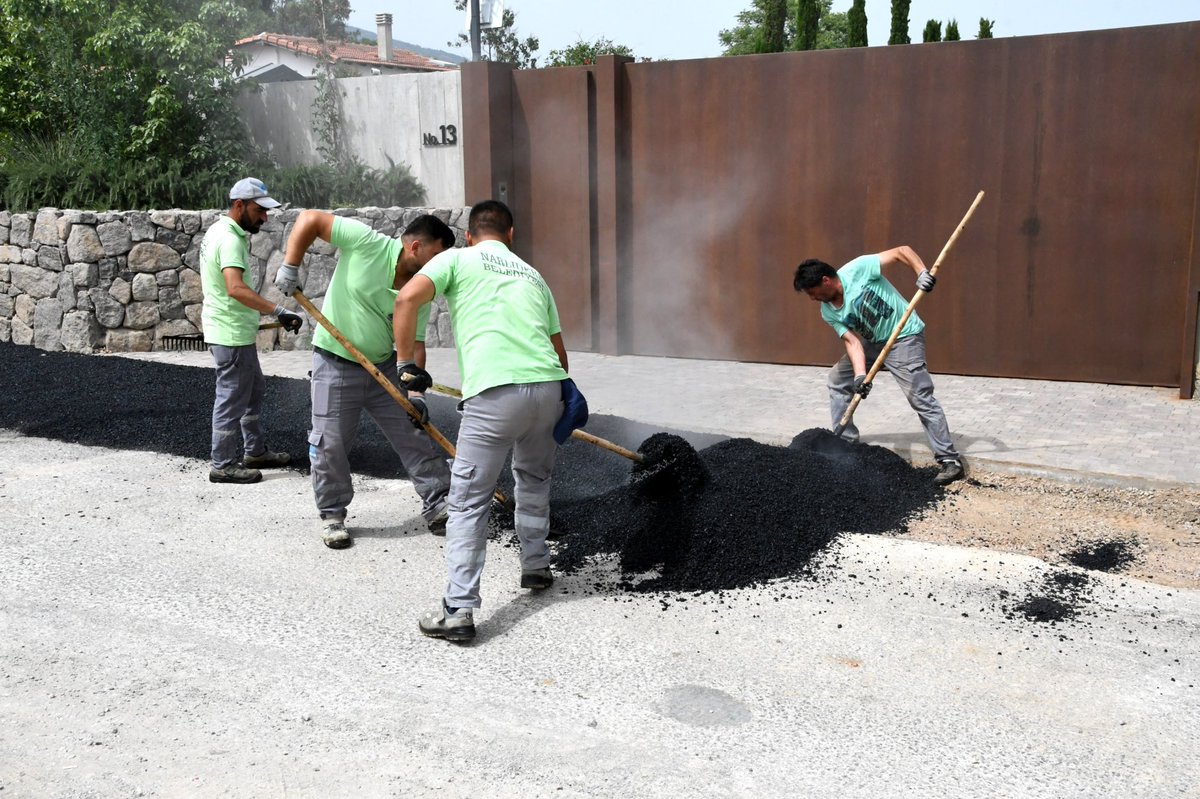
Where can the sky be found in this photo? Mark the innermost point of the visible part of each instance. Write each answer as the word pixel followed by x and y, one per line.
pixel 678 29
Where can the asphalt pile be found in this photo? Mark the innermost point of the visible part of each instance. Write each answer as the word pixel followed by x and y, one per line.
pixel 742 514
pixel 1105 556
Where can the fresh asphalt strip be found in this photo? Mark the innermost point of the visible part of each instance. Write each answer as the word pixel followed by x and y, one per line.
pixel 740 514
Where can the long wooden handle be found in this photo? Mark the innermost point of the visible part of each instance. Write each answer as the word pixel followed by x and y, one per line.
pixel 373 370
pixel 388 386
pixel 845 420
pixel 579 434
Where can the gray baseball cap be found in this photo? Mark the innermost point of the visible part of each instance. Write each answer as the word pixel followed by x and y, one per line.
pixel 252 189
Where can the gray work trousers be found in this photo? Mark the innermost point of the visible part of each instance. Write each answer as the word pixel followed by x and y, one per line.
pixel 341 391
pixel 906 363
pixel 520 417
pixel 238 405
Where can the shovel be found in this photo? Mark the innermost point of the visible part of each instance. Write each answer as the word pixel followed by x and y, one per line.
pixel 636 457
pixel 387 385
pixel 845 421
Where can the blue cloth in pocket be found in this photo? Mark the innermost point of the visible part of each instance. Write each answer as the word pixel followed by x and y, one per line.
pixel 575 411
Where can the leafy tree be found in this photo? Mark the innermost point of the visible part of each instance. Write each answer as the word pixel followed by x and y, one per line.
pixel 502 44
pixel 130 78
pixel 582 53
pixel 808 25
pixel 856 20
pixel 318 19
pixel 952 31
pixel 985 28
pixel 132 97
pixel 833 29
pixel 932 32
pixel 899 33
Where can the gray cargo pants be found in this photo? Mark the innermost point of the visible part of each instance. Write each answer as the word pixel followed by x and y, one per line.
pixel 341 391
pixel 520 417
pixel 238 404
pixel 906 363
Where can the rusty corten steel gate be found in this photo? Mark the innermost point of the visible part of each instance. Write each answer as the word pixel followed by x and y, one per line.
pixel 669 203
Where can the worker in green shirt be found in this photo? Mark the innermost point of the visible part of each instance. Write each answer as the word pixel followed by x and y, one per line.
pixel 359 302
pixel 230 322
pixel 514 375
pixel 863 308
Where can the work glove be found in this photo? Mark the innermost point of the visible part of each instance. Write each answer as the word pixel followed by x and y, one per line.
pixel 925 281
pixel 861 387
pixel 418 403
pixel 413 377
pixel 292 322
pixel 287 279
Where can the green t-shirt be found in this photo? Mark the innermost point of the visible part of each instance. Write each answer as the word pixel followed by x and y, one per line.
pixel 871 306
pixel 225 320
pixel 503 316
pixel 360 299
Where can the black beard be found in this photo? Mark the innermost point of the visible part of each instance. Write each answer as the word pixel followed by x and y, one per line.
pixel 245 224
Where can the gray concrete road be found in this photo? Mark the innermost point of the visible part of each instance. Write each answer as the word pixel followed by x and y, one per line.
pixel 164 636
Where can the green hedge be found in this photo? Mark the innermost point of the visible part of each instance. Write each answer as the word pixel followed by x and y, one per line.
pixel 67 173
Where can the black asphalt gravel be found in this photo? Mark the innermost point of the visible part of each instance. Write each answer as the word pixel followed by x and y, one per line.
pixel 1104 556
pixel 704 514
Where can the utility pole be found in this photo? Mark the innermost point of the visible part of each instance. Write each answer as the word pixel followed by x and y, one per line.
pixel 474 30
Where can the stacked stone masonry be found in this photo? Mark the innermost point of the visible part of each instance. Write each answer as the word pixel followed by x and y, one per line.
pixel 120 281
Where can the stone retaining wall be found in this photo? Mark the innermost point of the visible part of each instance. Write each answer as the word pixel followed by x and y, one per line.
pixel 121 280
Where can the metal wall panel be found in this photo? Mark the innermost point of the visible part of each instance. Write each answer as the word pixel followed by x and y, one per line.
pixel 1080 265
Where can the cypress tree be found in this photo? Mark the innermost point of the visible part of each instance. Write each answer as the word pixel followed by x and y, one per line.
pixel 858 24
pixel 932 32
pixel 774 21
pixel 900 22
pixel 952 31
pixel 808 25
pixel 985 28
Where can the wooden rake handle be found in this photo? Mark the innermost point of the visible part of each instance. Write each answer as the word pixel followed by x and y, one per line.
pixel 373 370
pixel 845 420
pixel 579 434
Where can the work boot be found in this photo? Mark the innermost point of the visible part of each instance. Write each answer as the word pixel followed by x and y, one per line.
pixel 537 579
pixel 453 624
pixel 234 474
pixel 951 470
pixel 334 533
pixel 267 460
pixel 437 525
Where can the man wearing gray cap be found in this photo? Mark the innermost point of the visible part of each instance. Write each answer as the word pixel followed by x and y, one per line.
pixel 230 320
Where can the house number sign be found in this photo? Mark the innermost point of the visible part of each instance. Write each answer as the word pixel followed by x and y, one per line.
pixel 447 136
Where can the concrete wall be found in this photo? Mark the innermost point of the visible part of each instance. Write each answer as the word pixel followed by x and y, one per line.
pixel 383 116
pixel 122 280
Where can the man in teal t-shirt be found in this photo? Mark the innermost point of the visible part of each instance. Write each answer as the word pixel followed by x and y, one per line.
pixel 514 372
pixel 359 302
pixel 863 308
pixel 230 321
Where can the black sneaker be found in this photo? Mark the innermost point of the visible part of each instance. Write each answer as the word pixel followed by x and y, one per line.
pixel 456 625
pixel 267 460
pixel 950 471
pixel 234 474
pixel 537 579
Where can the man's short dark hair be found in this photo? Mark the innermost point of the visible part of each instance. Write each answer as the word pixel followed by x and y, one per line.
pixel 489 216
pixel 810 272
pixel 430 228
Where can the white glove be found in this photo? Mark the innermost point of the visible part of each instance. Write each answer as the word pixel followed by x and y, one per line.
pixel 287 279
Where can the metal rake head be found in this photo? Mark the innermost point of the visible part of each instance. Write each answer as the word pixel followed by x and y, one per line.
pixel 193 343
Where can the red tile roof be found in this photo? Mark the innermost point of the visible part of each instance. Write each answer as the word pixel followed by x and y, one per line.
pixel 353 52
